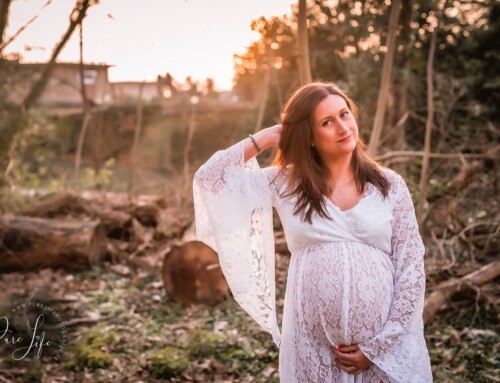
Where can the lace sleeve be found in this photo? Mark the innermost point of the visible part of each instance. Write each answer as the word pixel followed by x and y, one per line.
pixel 399 349
pixel 233 215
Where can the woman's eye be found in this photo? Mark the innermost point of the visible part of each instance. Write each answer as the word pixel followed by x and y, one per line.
pixel 327 122
pixel 344 114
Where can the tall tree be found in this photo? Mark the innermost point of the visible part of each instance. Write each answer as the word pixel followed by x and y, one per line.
pixel 86 113
pixel 428 131
pixel 386 76
pixel 4 17
pixel 303 44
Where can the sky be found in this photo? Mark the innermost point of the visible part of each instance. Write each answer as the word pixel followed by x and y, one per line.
pixel 143 39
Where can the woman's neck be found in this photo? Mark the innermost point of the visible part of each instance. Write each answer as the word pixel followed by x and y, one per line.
pixel 341 169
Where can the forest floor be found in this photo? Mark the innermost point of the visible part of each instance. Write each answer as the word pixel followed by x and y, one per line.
pixel 122 327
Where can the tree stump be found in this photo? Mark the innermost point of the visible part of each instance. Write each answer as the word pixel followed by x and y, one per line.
pixel 192 274
pixel 28 243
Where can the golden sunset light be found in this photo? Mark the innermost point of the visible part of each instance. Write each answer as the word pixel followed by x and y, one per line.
pixel 143 39
pixel 249 191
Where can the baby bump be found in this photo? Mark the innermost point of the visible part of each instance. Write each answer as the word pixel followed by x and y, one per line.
pixel 344 292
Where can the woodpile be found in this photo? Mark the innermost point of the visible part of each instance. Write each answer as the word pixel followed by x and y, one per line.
pixel 65 230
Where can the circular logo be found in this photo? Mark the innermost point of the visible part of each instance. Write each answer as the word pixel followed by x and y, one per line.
pixel 32 330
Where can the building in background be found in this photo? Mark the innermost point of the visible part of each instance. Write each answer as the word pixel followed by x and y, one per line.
pixel 62 89
pixel 129 91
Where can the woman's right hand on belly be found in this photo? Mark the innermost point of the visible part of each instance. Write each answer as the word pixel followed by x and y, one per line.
pixel 351 359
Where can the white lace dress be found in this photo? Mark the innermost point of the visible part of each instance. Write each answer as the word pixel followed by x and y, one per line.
pixel 356 279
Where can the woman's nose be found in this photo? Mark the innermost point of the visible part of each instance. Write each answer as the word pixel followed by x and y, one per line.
pixel 342 128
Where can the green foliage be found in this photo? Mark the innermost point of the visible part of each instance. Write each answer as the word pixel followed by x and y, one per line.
pixel 34 373
pixel 92 350
pixel 102 178
pixel 464 353
pixel 204 344
pixel 169 362
pixel 347 45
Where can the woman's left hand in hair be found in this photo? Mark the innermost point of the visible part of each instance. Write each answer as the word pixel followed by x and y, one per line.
pixel 351 356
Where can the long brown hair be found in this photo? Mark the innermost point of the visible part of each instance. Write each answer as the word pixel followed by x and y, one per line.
pixel 308 177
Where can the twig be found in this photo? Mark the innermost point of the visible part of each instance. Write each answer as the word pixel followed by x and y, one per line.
pixel 446 156
pixel 445 290
pixel 78 321
pixel 5 380
pixel 23 27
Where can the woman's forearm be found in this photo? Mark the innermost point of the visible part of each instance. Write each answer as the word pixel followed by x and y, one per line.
pixel 265 138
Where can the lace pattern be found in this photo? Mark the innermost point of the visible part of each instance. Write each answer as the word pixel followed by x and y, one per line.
pixel 233 210
pixel 356 279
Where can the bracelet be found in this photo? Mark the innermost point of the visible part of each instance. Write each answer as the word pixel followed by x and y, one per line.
pixel 255 143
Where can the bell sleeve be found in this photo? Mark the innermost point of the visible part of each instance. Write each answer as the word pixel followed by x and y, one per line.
pixel 399 348
pixel 233 215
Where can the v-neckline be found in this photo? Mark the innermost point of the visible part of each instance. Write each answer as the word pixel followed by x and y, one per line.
pixel 366 194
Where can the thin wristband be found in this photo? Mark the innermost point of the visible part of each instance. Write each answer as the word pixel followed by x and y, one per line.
pixel 255 143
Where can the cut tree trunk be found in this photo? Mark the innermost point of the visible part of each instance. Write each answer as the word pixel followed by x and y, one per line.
pixel 33 243
pixel 192 274
pixel 445 290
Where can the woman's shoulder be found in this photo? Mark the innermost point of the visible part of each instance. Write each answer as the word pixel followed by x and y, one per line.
pixel 395 179
pixel 398 186
pixel 273 170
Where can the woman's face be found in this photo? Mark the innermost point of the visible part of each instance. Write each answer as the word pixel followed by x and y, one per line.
pixel 335 131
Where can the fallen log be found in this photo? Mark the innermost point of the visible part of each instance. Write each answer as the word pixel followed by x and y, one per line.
pixel 60 204
pixel 148 215
pixel 117 224
pixel 445 290
pixel 28 243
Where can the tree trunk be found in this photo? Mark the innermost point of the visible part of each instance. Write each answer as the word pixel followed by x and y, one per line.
pixel 192 274
pixel 4 18
pixel 60 205
pixel 117 224
pixel 264 95
pixel 187 150
pixel 428 130
pixel 135 144
pixel 86 115
pixel 32 243
pixel 385 80
pixel 303 45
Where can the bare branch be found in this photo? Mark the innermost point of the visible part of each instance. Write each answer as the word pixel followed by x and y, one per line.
pixel 36 91
pixel 447 156
pixel 3 44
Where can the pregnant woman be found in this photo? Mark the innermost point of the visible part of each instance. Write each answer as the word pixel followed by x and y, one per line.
pixel 356 280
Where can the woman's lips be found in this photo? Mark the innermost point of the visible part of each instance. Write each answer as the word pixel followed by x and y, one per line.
pixel 344 139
